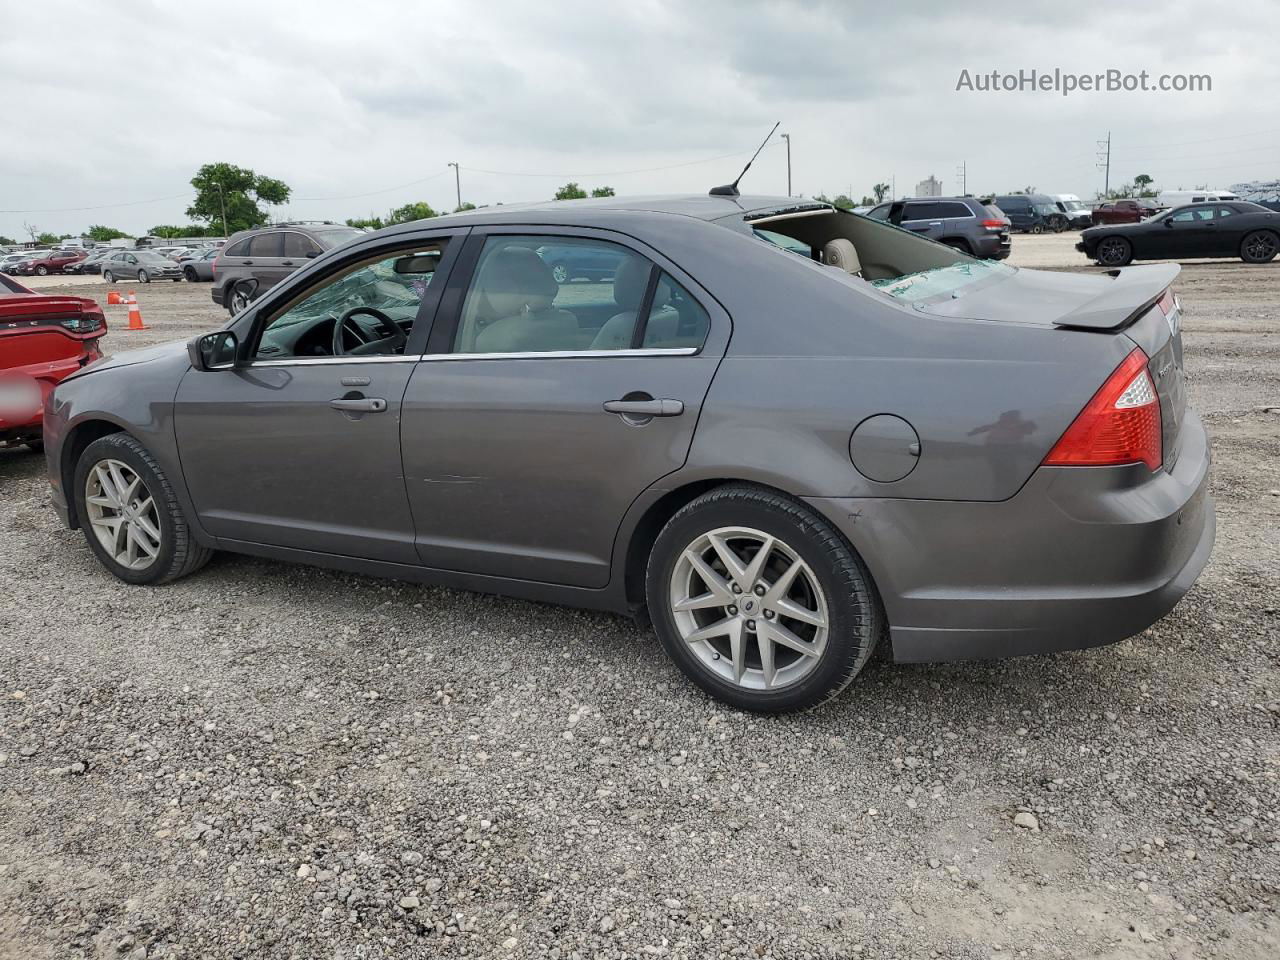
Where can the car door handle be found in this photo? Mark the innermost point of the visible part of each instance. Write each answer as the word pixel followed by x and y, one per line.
pixel 645 408
pixel 286 263
pixel 360 405
pixel 935 223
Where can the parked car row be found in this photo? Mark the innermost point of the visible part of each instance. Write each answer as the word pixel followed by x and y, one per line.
pixel 1236 229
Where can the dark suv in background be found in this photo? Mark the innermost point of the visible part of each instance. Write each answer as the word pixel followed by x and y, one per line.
pixel 268 255
pixel 976 227
pixel 1033 213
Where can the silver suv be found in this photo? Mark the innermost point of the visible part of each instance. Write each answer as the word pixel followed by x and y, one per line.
pixel 268 255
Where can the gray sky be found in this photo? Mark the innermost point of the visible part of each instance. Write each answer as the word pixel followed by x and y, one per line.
pixel 118 103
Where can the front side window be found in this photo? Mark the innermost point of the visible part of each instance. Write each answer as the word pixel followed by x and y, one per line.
pixel 538 294
pixel 1193 215
pixel 365 309
pixel 920 211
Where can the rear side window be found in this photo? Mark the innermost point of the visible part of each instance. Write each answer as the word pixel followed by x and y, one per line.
pixel 1224 212
pixel 952 210
pixel 880 213
pixel 542 294
pixel 994 212
pixel 296 245
pixel 265 245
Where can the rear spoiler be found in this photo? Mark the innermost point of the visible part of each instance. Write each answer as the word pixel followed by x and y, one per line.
pixel 1132 291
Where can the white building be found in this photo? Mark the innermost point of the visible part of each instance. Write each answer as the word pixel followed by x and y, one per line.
pixel 929 188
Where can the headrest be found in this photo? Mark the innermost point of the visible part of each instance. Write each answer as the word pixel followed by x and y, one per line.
pixel 841 253
pixel 629 283
pixel 515 278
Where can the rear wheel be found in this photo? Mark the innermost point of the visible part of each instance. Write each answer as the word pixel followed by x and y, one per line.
pixel 1114 251
pixel 130 516
pixel 1261 246
pixel 190 275
pixel 1037 228
pixel 759 601
pixel 108 276
pixel 560 272
pixel 144 277
pixel 239 299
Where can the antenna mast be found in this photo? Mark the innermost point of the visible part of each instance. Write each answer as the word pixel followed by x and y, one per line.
pixel 731 189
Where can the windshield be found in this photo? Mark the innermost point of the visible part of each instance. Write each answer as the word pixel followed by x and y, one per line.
pixel 338 235
pixel 932 283
pixel 1074 205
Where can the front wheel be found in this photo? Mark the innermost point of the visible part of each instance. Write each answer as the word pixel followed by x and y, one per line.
pixel 1114 252
pixel 130 516
pixel 1037 228
pixel 42 271
pixel 560 272
pixel 759 601
pixel 1261 246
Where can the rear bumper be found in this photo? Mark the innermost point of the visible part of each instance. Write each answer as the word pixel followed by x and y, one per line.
pixel 1080 557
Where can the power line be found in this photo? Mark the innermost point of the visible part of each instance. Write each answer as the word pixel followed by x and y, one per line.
pixel 105 206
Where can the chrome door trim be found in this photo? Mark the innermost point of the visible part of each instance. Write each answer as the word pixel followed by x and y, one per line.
pixel 327 361
pixel 566 354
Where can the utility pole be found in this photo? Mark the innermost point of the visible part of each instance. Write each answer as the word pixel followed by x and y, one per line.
pixel 787 137
pixel 1104 163
pixel 961 175
pixel 222 200
pixel 457 182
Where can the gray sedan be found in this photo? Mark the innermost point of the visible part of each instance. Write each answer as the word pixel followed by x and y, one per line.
pixel 200 266
pixel 141 265
pixel 784 432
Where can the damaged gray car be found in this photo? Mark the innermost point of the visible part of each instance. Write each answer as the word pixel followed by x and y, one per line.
pixel 783 432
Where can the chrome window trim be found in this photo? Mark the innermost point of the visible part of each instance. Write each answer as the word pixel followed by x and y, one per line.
pixel 435 357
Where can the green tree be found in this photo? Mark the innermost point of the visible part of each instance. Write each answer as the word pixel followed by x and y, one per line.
pixel 466 205
pixel 100 234
pixel 47 239
pixel 7 241
pixel 370 222
pixel 880 190
pixel 189 230
pixel 1142 185
pixel 843 202
pixel 570 191
pixel 236 190
pixel 411 211
pixel 603 192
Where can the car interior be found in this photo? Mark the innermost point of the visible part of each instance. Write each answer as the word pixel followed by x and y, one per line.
pixel 869 249
pixel 515 304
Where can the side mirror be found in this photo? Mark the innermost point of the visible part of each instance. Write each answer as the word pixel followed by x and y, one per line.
pixel 213 351
pixel 312 254
pixel 1169 222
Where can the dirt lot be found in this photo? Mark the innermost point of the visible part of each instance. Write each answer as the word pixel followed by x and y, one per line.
pixel 274 761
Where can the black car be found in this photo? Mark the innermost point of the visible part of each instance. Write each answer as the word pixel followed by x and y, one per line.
pixel 90 264
pixel 1221 229
pixel 976 227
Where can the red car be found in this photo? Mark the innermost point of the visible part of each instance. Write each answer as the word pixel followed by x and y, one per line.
pixel 1124 211
pixel 42 340
pixel 55 262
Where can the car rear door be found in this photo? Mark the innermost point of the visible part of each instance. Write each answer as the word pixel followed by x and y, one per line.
pixel 923 217
pixel 527 430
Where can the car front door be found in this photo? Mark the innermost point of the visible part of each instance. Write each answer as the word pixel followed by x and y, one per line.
pixel 542 410
pixel 298 445
pixel 1188 232
pixel 1228 232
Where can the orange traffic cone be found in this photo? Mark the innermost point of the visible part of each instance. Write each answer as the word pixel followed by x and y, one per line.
pixel 135 315
pixel 114 298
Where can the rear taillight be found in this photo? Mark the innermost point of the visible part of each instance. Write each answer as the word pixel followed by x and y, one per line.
pixel 1121 424
pixel 995 224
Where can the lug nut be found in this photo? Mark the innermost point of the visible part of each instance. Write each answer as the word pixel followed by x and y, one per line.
pixel 760 590
pixel 751 624
pixel 768 614
pixel 736 588
pixel 733 611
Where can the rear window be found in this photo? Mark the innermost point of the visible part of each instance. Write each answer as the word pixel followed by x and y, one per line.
pixel 942 280
pixel 994 212
pixel 786 243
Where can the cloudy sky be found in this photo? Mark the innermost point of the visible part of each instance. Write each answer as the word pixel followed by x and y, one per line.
pixel 359 107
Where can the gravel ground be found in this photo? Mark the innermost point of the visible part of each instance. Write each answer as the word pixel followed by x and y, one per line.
pixel 274 761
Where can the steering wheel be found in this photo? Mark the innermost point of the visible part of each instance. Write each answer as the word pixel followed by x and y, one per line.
pixel 394 340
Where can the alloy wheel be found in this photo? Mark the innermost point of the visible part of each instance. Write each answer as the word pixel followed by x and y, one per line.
pixel 560 272
pixel 1113 250
pixel 750 609
pixel 108 276
pixel 123 514
pixel 143 277
pixel 1260 247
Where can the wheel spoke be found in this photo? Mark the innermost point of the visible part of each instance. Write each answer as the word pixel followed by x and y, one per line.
pixel 150 548
pixel 702 602
pixel 99 500
pixel 782 585
pixel 713 581
pixel 117 481
pixel 789 608
pixel 765 644
pixel 149 528
pixel 756 567
pixel 107 485
pixel 738 651
pixel 730 559
pixel 721 628
pixel 776 633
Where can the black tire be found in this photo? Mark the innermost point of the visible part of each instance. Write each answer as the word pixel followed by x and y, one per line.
pixel 856 620
pixel 1260 246
pixel 42 271
pixel 179 552
pixel 1114 252
pixel 35 446
pixel 239 300
pixel 1037 228
pixel 177 279
pixel 144 277
pixel 561 273
pixel 108 276
pixel 190 274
